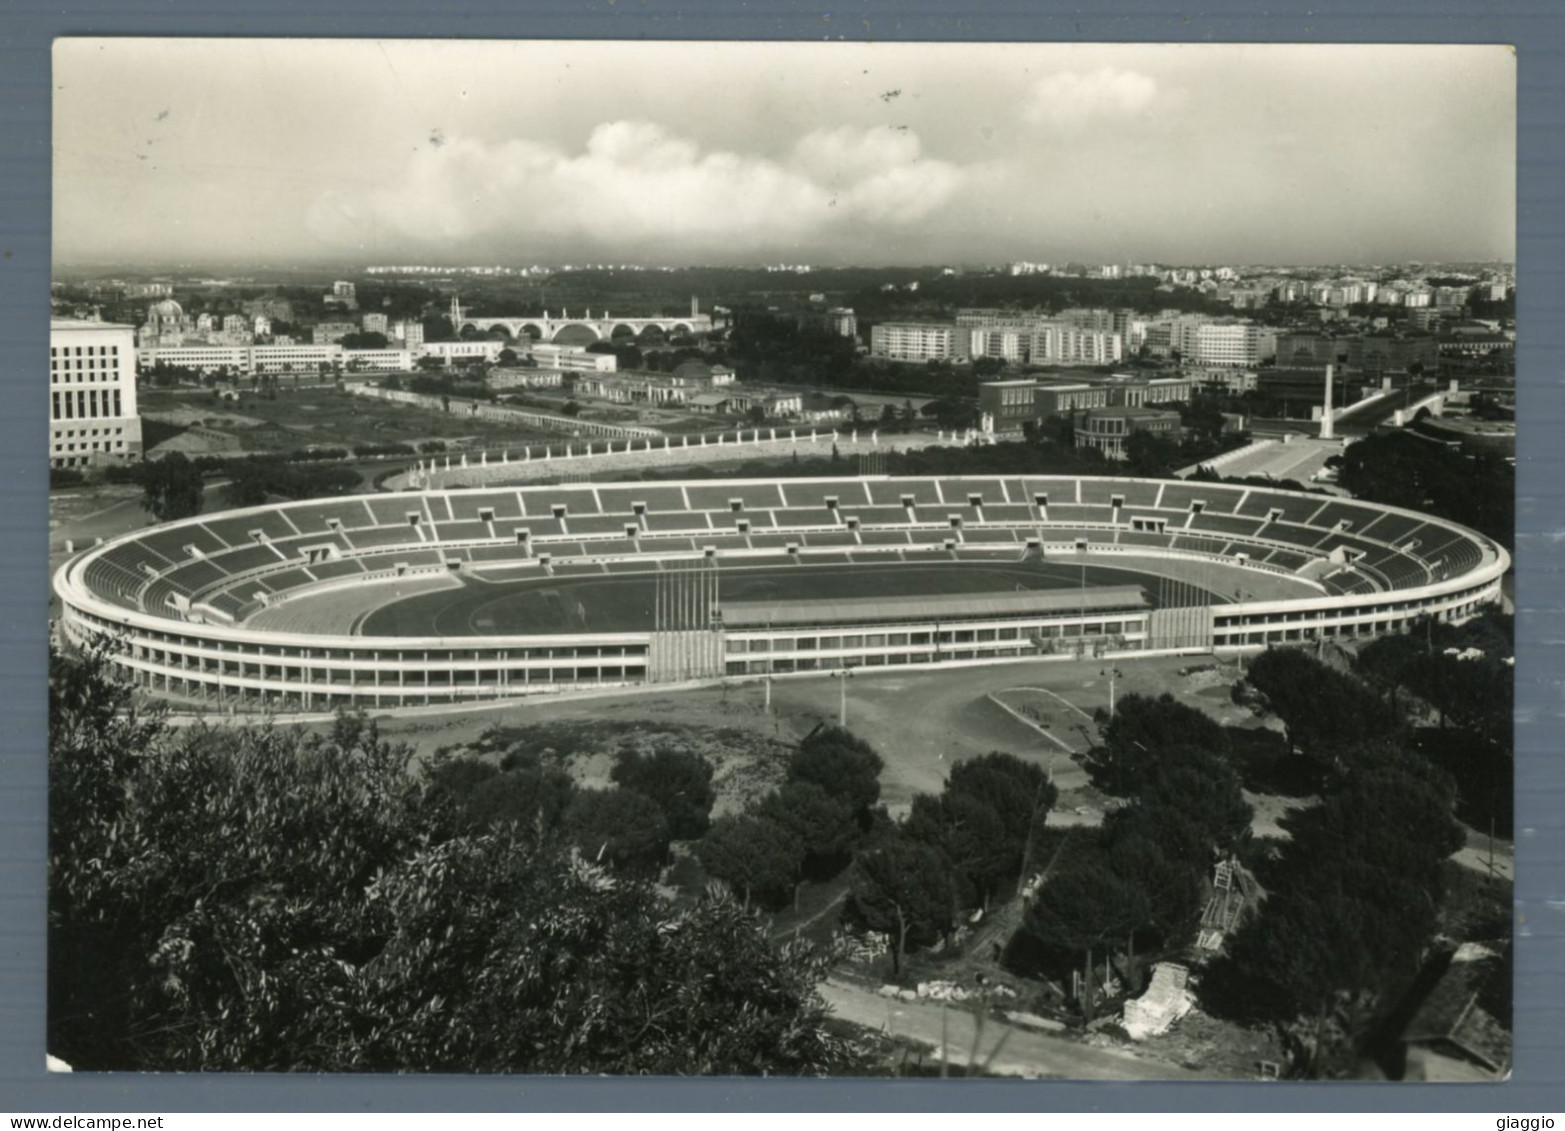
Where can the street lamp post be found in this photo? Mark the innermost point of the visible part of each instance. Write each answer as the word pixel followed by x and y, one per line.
pixel 1113 673
pixel 842 675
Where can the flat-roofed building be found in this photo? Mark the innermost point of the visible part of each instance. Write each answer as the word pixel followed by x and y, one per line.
pixel 447 352
pixel 330 333
pixel 1108 429
pixel 917 341
pixel 92 393
pixel 508 378
pixel 573 359
pixel 399 360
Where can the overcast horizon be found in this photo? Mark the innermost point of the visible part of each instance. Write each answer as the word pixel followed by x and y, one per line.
pixel 275 152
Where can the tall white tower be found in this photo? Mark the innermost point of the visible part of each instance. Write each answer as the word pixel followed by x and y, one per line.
pixel 1328 429
pixel 456 314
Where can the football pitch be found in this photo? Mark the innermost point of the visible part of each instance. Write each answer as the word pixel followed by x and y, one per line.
pixel 623 602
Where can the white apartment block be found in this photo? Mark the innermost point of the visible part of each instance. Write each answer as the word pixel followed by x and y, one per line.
pixel 1225 343
pixel 375 323
pixel 92 393
pixel 916 341
pixel 1072 345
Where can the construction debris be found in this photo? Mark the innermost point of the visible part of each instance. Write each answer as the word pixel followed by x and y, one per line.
pixel 1167 1000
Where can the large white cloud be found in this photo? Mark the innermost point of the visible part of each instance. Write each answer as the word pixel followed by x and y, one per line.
pixel 1071 101
pixel 637 184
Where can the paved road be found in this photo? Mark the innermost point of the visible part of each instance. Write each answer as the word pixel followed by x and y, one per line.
pixel 1024 1052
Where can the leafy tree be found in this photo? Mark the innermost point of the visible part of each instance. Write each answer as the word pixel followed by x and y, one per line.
pixel 755 855
pixel 951 412
pixel 535 795
pixel 171 487
pixel 1198 804
pixel 1083 908
pixel 1137 740
pixel 905 889
pixel 680 781
pixel 1323 710
pixel 971 835
pixel 1174 888
pixel 620 828
pixel 842 764
pixel 1020 795
pixel 823 825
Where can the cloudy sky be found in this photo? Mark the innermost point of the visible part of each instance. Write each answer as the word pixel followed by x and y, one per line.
pixel 270 151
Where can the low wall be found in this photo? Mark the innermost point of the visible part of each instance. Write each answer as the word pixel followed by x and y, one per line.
pixel 582 457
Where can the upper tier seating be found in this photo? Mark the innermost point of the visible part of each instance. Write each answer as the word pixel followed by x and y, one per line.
pixel 1134 493
pixel 654 499
pixel 1299 510
pixel 1179 496
pixel 892 494
pixel 499 505
pixel 847 492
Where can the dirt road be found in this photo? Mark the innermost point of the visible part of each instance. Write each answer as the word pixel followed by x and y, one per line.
pixel 1024 1052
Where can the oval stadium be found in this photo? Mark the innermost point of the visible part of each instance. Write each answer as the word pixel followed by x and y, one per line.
pixel 446 597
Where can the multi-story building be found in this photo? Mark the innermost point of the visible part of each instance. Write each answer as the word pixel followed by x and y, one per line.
pixel 295 358
pixel 261 326
pixel 1071 345
pixel 92 393
pixel 573 359
pixel 1108 429
pixel 278 357
pixel 413 333
pixel 375 323
pixel 397 359
pixel 198 359
pixel 505 378
pixel 482 350
pixel 1006 406
pixel 916 341
pixel 839 320
pixel 1373 353
pixel 330 333
pixel 1224 343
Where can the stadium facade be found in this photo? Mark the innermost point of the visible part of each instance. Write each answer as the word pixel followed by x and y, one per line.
pixel 199 605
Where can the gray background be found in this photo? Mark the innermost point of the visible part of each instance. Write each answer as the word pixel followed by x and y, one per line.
pixel 1536 27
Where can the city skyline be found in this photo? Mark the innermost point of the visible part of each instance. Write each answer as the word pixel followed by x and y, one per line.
pixel 291 152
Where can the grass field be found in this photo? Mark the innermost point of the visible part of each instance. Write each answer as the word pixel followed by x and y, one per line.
pixel 325 416
pixel 623 602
